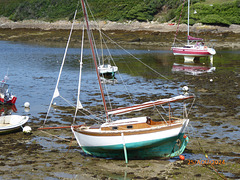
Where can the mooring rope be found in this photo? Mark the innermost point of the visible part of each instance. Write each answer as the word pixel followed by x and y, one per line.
pixel 55 136
pixel 205 154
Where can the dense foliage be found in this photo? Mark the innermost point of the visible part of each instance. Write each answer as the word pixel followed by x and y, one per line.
pixel 214 14
pixel 37 9
pixel 122 10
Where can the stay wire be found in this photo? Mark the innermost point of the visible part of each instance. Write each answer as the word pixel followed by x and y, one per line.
pixel 125 86
pixel 138 59
pixel 98 28
pixel 61 68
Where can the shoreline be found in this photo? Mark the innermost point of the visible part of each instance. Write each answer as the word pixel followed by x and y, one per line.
pixel 152 26
pixel 132 32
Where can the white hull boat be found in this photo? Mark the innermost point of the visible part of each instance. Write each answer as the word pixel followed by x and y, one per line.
pixel 107 69
pixel 11 123
pixel 195 47
pixel 136 136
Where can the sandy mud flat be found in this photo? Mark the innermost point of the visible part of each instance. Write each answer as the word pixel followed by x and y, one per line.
pixel 132 32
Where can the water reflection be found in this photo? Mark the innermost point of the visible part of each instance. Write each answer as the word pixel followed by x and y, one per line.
pixel 109 80
pixel 192 68
pixel 7 109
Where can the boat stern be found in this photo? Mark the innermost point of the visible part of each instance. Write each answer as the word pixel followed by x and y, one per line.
pixel 181 144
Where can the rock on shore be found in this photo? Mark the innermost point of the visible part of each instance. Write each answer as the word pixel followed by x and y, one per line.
pixel 126 26
pixel 140 33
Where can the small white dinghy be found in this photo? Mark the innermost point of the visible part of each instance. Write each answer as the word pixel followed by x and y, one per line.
pixel 12 123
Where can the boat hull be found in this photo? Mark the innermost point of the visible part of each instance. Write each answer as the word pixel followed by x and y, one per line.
pixel 203 52
pixel 107 69
pixel 162 148
pixel 190 53
pixel 167 142
pixel 12 123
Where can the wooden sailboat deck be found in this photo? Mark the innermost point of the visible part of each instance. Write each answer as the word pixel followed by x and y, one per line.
pixel 131 127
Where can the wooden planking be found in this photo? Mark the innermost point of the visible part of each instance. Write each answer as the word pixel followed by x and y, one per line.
pixel 149 123
pixel 127 132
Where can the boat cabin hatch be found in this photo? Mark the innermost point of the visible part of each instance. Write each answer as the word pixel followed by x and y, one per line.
pixel 115 128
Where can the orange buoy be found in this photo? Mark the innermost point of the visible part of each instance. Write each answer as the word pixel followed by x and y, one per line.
pixel 182 157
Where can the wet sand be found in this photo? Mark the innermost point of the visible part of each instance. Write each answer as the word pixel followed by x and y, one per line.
pixel 23 158
pixel 54 154
pixel 135 33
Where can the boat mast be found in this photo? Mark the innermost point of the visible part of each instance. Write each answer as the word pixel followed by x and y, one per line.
pixel 101 39
pixel 79 105
pixel 188 22
pixel 94 57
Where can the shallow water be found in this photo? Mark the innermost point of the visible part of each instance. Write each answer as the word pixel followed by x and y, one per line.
pixel 33 71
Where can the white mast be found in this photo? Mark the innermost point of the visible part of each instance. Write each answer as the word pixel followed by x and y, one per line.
pixel 79 105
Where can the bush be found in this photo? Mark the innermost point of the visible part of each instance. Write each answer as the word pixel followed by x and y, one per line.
pixel 120 10
pixel 141 12
pixel 217 14
pixel 215 19
pixel 170 15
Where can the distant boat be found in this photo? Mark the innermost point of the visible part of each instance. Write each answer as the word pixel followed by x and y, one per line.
pixel 195 47
pixel 107 69
pixel 6 97
pixel 135 137
pixel 11 123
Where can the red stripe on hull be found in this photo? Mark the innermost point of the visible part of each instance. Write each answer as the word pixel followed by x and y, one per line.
pixel 14 99
pixel 192 52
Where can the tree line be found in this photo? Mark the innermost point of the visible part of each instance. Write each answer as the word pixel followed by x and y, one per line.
pixel 223 14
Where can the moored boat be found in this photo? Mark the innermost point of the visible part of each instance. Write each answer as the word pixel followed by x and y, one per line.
pixel 107 69
pixel 195 47
pixel 6 97
pixel 142 138
pixel 125 134
pixel 12 123
pixel 195 50
pixel 134 138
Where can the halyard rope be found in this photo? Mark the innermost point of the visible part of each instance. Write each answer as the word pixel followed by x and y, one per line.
pixel 178 23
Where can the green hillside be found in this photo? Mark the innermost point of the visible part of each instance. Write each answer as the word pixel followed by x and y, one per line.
pixel 216 12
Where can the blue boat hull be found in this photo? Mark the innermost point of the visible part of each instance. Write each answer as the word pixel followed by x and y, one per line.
pixel 169 147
